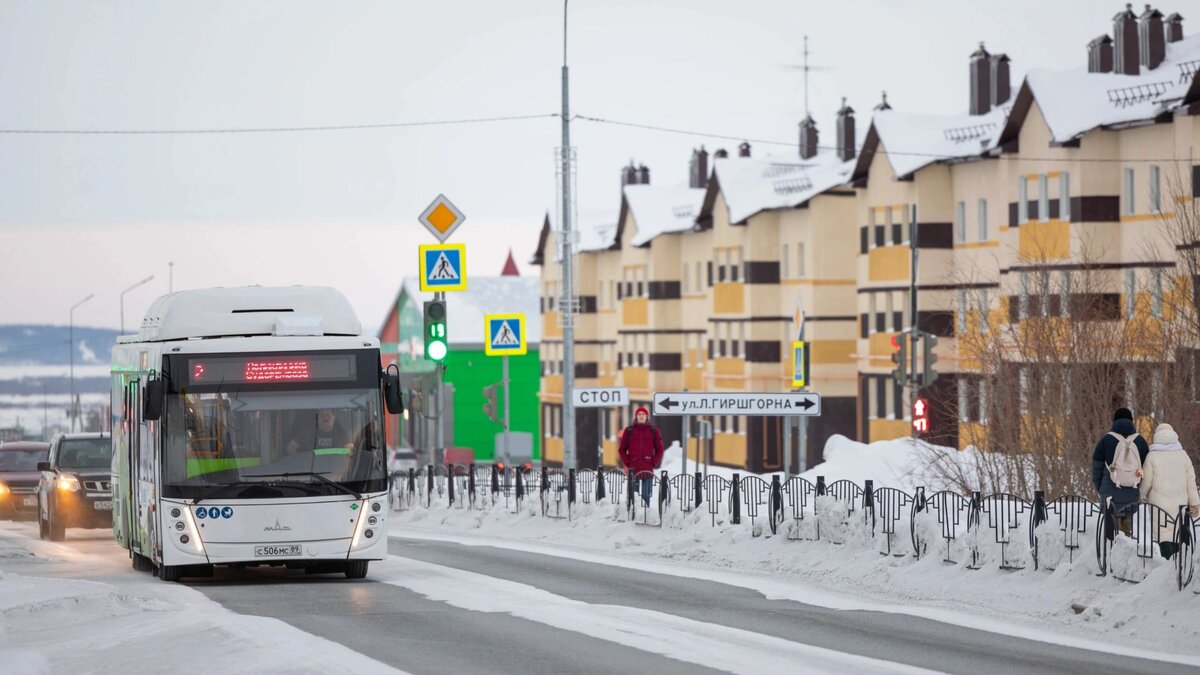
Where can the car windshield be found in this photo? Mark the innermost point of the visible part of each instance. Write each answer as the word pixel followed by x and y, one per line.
pixel 259 444
pixel 21 460
pixel 85 453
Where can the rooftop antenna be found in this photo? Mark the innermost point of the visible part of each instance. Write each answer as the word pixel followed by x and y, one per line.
pixel 806 69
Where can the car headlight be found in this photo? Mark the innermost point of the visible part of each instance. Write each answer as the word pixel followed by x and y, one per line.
pixel 68 483
pixel 3 489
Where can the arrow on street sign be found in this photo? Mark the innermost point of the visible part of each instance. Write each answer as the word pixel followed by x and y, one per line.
pixel 722 403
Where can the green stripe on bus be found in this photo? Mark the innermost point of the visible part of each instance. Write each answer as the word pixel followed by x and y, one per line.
pixel 197 467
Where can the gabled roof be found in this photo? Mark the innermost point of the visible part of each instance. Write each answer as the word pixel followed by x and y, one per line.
pixel 913 141
pixel 752 185
pixel 659 210
pixel 1074 101
pixel 597 232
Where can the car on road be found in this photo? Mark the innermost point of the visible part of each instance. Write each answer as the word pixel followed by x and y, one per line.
pixel 19 477
pixel 75 489
pixel 400 460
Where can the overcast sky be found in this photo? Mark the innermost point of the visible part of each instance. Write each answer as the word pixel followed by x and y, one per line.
pixel 84 214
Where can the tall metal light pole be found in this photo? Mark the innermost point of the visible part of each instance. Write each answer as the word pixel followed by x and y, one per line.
pixel 71 345
pixel 568 253
pixel 171 277
pixel 143 282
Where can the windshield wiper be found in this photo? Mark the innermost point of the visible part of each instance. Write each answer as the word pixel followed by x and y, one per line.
pixel 310 474
pixel 221 487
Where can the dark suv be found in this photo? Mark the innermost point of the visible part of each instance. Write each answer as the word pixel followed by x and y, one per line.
pixel 76 485
pixel 19 477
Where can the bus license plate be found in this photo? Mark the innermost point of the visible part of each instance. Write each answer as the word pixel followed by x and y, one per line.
pixel 269 551
pixel 102 505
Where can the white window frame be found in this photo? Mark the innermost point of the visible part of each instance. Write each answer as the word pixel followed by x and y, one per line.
pixel 800 260
pixel 1064 196
pixel 983 220
pixel 960 222
pixel 984 307
pixel 889 321
pixel 871 303
pixel 961 319
pixel 962 400
pixel 1022 200
pixel 1023 298
pixel 1064 292
pixel 1128 184
pixel 870 227
pixel 1155 189
pixel 1023 389
pixel 1130 292
pixel 983 400
pixel 1044 301
pixel 1043 197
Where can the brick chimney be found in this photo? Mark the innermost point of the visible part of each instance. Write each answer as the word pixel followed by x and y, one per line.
pixel 744 149
pixel 1100 55
pixel 698 169
pixel 808 137
pixel 643 175
pixel 883 104
pixel 1001 86
pixel 629 175
pixel 845 132
pixel 1152 41
pixel 721 153
pixel 1174 27
pixel 981 81
pixel 1125 42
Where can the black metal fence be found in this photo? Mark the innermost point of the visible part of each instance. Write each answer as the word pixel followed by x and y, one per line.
pixel 1000 529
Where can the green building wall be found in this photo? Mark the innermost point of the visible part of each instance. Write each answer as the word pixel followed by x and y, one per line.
pixel 470 371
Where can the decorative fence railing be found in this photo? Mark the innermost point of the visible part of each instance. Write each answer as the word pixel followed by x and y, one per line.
pixel 1002 529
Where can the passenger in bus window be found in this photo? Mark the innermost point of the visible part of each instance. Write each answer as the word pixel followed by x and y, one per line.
pixel 318 430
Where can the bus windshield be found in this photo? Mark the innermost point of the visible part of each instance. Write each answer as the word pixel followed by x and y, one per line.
pixel 263 444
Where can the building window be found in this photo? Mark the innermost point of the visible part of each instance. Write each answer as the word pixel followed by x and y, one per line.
pixel 1023 299
pixel 1155 189
pixel 882 230
pixel 871 312
pixel 983 401
pixel 800 261
pixel 870 227
pixel 1022 200
pixel 1064 196
pixel 984 308
pixel 1064 298
pixel 963 405
pixel 962 311
pixel 1130 292
pixel 1128 190
pixel 1023 389
pixel 891 313
pixel 1043 308
pixel 1156 293
pixel 983 220
pixel 785 267
pixel 1043 197
pixel 960 222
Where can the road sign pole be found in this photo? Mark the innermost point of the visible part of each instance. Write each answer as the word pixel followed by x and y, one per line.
pixel 439 434
pixel 787 447
pixel 683 468
pixel 507 458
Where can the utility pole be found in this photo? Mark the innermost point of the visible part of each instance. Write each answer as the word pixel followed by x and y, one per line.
pixel 915 333
pixel 568 253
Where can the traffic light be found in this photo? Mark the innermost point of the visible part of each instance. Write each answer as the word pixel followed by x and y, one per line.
pixel 490 408
pixel 928 342
pixel 900 358
pixel 436 343
pixel 920 416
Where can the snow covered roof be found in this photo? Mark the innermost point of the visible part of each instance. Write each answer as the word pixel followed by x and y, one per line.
pixel 1075 101
pixel 484 295
pixel 597 230
pixel 913 141
pixel 249 310
pixel 662 210
pixel 754 184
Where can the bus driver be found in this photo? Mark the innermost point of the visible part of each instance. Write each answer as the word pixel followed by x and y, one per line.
pixel 322 432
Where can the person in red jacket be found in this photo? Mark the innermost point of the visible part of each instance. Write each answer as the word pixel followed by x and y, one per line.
pixel 641 451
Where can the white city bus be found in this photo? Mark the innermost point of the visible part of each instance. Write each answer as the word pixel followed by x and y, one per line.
pixel 247 431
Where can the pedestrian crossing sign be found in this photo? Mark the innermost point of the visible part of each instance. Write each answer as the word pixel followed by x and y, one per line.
pixel 505 334
pixel 799 364
pixel 443 267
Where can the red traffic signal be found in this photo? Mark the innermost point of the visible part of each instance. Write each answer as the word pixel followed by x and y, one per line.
pixel 920 415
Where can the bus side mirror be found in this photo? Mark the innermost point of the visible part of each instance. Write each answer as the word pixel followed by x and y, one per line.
pixel 152 402
pixel 391 393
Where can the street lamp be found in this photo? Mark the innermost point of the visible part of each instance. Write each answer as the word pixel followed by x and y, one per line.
pixel 71 344
pixel 140 283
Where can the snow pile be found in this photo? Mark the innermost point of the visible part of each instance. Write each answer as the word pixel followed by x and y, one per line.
pixel 662 210
pixel 915 140
pixel 754 184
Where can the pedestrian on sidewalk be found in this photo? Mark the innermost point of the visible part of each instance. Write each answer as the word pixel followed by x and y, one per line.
pixel 641 452
pixel 1168 482
pixel 1117 467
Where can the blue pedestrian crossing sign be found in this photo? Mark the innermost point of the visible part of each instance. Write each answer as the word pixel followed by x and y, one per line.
pixel 505 334
pixel 799 364
pixel 443 267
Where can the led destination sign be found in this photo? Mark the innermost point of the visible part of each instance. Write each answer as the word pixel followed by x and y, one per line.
pixel 260 369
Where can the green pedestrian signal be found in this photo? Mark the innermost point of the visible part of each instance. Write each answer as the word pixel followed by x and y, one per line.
pixel 436 342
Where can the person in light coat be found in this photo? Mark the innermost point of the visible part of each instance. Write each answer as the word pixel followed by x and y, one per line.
pixel 1168 482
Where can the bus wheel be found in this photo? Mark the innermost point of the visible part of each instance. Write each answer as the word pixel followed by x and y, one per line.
pixel 170 572
pixel 356 569
pixel 141 563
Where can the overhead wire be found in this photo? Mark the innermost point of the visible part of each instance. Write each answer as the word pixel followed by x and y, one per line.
pixel 271 130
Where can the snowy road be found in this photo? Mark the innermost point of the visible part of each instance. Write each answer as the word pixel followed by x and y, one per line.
pixel 445 607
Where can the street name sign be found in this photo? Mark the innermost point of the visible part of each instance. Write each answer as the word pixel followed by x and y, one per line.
pixel 600 397
pixel 441 218
pixel 505 335
pixel 443 267
pixel 723 403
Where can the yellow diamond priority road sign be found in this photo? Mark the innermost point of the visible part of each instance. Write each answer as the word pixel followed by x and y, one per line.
pixel 441 218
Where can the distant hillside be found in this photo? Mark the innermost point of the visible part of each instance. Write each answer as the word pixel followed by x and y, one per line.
pixel 32 344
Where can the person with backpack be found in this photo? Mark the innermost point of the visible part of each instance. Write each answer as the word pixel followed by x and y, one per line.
pixel 1168 482
pixel 641 452
pixel 1117 467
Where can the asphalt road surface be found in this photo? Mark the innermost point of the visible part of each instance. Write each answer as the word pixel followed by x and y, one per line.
pixel 439 607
